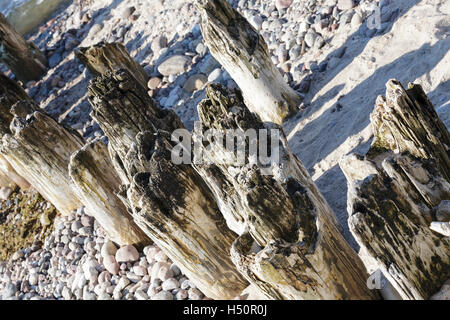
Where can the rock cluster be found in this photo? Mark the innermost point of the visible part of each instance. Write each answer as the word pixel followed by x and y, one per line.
pixel 77 262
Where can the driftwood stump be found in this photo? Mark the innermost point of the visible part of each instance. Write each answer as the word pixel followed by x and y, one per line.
pixel 393 192
pixel 22 57
pixel 104 57
pixel 245 55
pixel 39 149
pixel 97 183
pixel 289 246
pixel 171 203
pixel 10 94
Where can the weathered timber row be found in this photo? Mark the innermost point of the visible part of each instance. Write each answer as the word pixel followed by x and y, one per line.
pixel 169 202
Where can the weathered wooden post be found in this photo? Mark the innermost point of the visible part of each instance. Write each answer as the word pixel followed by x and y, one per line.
pixel 10 93
pixel 104 57
pixel 394 189
pixel 171 203
pixel 289 245
pixel 22 57
pixel 96 183
pixel 39 149
pixel 245 55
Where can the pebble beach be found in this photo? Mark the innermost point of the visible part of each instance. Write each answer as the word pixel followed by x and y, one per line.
pixel 311 42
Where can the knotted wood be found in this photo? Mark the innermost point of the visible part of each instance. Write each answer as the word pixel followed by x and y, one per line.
pixel 39 149
pixel 244 54
pixel 97 183
pixel 289 246
pixel 169 202
pixel 393 190
pixel 104 57
pixel 22 57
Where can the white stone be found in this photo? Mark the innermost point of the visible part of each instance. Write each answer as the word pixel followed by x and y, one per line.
pixel 174 65
pixel 5 192
pixel 170 284
pixel 108 249
pixel 345 4
pixel 141 295
pixel 127 253
pixel 195 294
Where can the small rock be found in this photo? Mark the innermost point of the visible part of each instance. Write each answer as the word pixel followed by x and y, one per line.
pixel 181 294
pixel 108 249
pixel 127 12
pixel 140 271
pixel 215 75
pixel 104 296
pixel 345 4
pixel 201 49
pixel 111 264
pixel 170 284
pixel 127 253
pixel 356 21
pixel 163 295
pixel 5 192
pixel 161 256
pixel 174 65
pixel 87 221
pixel 85 231
pixel 75 226
pixel 310 38
pixel 165 272
pixel 176 271
pixel 283 4
pixel 66 294
pixel 123 282
pixel 17 255
pixel 33 279
pixel 9 291
pixel 158 43
pixel 141 295
pixel 195 294
pixel 195 82
pixel 154 83
pixel 87 295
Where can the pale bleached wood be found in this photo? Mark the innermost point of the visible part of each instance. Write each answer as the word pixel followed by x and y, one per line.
pixel 9 175
pixel 96 184
pixel 104 57
pixel 244 54
pixel 393 190
pixel 39 149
